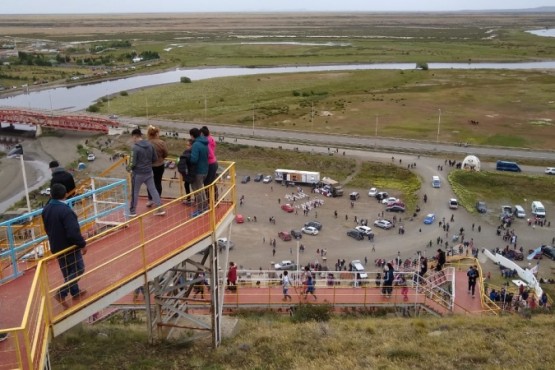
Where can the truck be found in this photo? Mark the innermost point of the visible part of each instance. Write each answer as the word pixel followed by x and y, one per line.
pixel 297 177
pixel 329 187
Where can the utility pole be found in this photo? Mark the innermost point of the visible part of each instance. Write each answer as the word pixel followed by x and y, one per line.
pixel 438 125
pixel 312 115
pixel 253 114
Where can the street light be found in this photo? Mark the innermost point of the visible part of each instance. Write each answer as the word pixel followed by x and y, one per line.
pixel 253 119
pixel 17 151
pixel 438 125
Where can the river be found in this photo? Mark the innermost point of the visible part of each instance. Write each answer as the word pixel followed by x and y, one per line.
pixel 79 97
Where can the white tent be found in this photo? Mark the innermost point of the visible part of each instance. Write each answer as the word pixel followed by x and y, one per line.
pixel 471 162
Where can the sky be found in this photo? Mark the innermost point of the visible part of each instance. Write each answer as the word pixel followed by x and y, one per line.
pixel 160 6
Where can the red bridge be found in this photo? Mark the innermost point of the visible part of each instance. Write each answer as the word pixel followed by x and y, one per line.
pixel 74 123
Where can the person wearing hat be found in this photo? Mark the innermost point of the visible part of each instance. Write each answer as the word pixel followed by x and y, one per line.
pixel 61 176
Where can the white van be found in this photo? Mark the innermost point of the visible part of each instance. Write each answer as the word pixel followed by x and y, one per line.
pixel 436 182
pixel 519 211
pixel 538 209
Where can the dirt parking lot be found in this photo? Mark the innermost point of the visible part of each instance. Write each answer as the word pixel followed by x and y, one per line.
pixel 264 200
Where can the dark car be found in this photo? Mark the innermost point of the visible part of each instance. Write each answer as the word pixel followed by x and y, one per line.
pixel 316 224
pixel 481 207
pixel 395 208
pixel 245 179
pixel 258 177
pixel 382 195
pixel 355 234
pixel 548 251
pixel 296 234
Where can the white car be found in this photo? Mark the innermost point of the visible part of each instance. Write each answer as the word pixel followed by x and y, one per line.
pixel 91 157
pixel 453 203
pixel 359 268
pixel 390 200
pixel 366 230
pixel 286 265
pixel 310 230
pixel 223 243
pixel 372 192
pixel 267 179
pixel 45 191
pixel 383 224
pixel 550 171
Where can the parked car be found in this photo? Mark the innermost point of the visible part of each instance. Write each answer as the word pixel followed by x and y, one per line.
pixel 296 234
pixel 550 171
pixel 395 208
pixel 453 203
pixel 354 195
pixel 284 235
pixel 382 195
pixel 429 219
pixel 318 225
pixel 390 200
pixel 481 207
pixel 383 224
pixel 91 157
pixel 286 265
pixel 267 179
pixel 366 230
pixel 258 177
pixel 372 192
pixel 245 179
pixel 355 234
pixel 45 191
pixel 548 251
pixel 239 219
pixel 288 208
pixel 223 242
pixel 359 268
pixel 311 230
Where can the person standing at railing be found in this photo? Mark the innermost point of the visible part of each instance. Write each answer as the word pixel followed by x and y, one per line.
pixel 61 176
pixel 187 170
pixel 63 230
pixel 161 149
pixel 143 157
pixel 388 277
pixel 199 157
pixel 212 160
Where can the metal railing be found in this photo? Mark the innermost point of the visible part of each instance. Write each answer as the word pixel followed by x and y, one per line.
pixel 145 242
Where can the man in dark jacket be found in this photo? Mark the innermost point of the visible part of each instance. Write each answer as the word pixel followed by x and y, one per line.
pixel 61 176
pixel 440 260
pixel 187 169
pixel 143 157
pixel 199 158
pixel 62 228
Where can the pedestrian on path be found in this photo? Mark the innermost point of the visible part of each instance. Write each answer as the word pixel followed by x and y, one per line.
pixel 286 284
pixel 472 274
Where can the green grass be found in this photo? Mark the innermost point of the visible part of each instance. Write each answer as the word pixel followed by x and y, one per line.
pixel 499 186
pixel 350 342
pixel 397 103
pixel 399 181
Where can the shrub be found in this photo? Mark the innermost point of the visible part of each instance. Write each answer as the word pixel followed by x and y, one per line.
pixel 124 93
pixel 93 108
pixel 185 80
pixel 311 312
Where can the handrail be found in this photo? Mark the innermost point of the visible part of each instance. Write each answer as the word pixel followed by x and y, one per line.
pixel 32 335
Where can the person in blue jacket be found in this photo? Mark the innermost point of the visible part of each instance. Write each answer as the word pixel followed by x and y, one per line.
pixel 64 232
pixel 199 158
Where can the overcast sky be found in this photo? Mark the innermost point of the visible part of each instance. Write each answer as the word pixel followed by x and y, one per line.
pixel 142 6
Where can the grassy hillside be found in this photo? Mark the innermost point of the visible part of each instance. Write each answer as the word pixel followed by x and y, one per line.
pixel 268 341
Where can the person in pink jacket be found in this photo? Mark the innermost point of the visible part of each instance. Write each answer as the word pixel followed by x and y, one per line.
pixel 212 160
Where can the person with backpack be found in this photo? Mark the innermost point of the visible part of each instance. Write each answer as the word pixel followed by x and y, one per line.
pixel 472 274
pixel 187 170
pixel 199 157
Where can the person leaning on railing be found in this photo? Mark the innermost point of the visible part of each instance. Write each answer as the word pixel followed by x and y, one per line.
pixel 63 230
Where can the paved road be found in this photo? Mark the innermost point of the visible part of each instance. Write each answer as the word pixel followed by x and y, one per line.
pixel 346 141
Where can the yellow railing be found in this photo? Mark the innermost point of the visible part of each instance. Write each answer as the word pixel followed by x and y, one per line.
pixel 149 240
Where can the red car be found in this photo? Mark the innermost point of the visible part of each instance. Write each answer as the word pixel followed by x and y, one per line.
pixel 239 219
pixel 284 235
pixel 288 208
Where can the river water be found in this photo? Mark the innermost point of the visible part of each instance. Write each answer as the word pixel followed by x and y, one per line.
pixel 80 97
